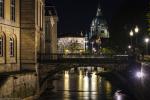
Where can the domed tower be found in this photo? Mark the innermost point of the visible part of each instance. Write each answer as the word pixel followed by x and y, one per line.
pixel 98 31
pixel 99 26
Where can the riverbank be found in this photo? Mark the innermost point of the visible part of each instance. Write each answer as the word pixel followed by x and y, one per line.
pixel 138 86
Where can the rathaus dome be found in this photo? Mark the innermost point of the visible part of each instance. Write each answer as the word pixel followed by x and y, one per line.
pixel 99 26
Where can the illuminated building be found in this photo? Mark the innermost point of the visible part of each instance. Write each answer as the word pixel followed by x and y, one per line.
pixel 98 31
pixel 50 29
pixel 71 43
pixel 21 33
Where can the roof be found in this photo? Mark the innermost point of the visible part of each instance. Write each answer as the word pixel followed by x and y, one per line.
pixel 71 35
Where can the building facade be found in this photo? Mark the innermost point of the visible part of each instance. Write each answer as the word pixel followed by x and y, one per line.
pixel 51 19
pixel 21 33
pixel 98 32
pixel 99 25
pixel 71 43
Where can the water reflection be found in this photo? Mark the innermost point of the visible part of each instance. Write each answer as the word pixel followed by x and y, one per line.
pixel 84 85
pixel 66 85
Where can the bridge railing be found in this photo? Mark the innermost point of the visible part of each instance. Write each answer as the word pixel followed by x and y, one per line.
pixel 55 56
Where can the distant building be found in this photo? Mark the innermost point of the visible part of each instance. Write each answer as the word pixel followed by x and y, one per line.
pixel 71 43
pixel 21 33
pixel 99 25
pixel 51 19
pixel 98 31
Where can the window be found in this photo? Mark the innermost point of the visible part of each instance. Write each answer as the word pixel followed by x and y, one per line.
pixel 1 46
pixel 1 8
pixel 12 9
pixel 11 41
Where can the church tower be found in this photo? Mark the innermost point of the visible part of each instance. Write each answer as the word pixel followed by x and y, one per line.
pixel 98 31
pixel 99 25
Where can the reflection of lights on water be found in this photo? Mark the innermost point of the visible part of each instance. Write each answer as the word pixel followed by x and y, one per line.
pixel 86 83
pixel 108 87
pixel 80 81
pixel 66 80
pixel 139 74
pixel 66 74
pixel 94 82
pixel 119 97
pixel 80 74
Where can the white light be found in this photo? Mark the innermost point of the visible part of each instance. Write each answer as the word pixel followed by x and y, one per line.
pixel 129 46
pixel 94 49
pixel 131 33
pixel 136 29
pixel 139 74
pixel 146 40
pixel 118 95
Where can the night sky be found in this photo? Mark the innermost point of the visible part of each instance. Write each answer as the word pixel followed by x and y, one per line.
pixel 121 15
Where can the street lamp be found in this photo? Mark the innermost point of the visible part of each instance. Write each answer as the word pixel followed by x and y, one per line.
pixel 136 32
pixel 136 29
pixel 146 41
pixel 129 46
pixel 131 35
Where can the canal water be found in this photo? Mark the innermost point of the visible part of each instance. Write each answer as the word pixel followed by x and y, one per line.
pixel 87 85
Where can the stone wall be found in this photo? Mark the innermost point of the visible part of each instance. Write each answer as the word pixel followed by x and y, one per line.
pixel 18 86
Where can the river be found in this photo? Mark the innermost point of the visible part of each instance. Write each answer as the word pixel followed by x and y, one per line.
pixel 86 85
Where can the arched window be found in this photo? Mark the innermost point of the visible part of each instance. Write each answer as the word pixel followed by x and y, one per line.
pixel 11 42
pixel 1 46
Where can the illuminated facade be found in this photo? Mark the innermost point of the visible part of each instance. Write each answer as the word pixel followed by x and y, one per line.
pixel 21 33
pixel 51 29
pixel 71 44
pixel 98 31
pixel 99 26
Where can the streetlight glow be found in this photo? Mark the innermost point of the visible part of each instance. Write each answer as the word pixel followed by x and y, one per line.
pixel 131 33
pixel 136 29
pixel 146 40
pixel 129 46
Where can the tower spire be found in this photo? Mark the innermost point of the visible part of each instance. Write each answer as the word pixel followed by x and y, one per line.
pixel 99 13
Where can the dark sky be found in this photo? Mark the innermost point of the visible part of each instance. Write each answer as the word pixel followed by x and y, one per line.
pixel 121 15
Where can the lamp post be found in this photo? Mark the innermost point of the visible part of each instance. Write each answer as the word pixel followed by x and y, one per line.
pixel 136 32
pixel 146 41
pixel 131 35
pixel 92 46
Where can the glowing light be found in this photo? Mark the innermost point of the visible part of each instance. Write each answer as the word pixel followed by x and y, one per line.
pixel 129 46
pixel 94 82
pixel 136 29
pixel 131 33
pixel 108 87
pixel 66 83
pixel 139 74
pixel 86 83
pixel 118 95
pixel 146 40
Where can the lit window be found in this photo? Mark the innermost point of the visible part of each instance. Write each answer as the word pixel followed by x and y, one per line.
pixel 1 46
pixel 11 46
pixel 12 9
pixel 1 8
